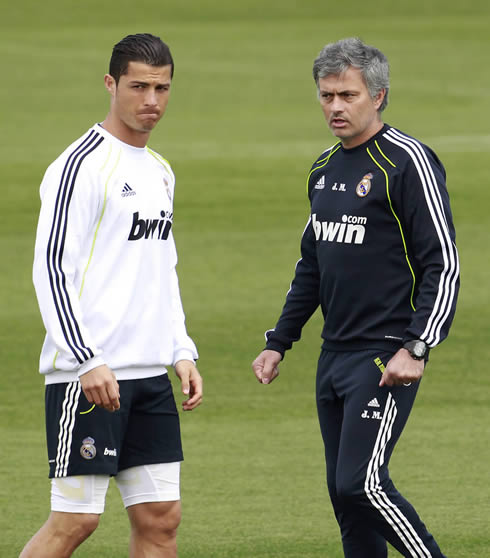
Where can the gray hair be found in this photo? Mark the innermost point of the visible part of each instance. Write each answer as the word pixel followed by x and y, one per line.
pixel 336 58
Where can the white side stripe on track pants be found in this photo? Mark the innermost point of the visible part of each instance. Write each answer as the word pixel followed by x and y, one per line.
pixel 379 498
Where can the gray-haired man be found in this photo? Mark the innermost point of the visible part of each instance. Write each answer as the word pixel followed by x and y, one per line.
pixel 378 256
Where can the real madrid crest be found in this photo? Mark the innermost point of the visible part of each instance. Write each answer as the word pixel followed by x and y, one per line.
pixel 363 188
pixel 88 451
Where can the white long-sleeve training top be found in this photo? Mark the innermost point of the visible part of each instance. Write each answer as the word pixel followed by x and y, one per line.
pixel 104 263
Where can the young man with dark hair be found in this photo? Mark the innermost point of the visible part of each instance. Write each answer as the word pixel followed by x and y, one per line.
pixel 378 256
pixel 105 278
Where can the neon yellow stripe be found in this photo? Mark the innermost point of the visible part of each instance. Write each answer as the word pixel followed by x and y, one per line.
pixel 107 159
pixel 100 220
pixel 159 158
pixel 87 412
pixel 379 149
pixel 399 225
pixel 379 364
pixel 335 148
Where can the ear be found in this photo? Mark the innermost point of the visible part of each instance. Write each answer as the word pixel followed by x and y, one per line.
pixel 110 84
pixel 379 98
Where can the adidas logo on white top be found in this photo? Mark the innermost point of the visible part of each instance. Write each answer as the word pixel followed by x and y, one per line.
pixel 373 403
pixel 320 184
pixel 127 191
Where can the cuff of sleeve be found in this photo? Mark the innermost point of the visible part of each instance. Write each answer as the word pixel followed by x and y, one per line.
pixel 184 354
pixel 90 364
pixel 279 348
pixel 411 337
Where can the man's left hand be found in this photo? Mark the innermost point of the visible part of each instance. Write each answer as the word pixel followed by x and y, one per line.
pixel 191 383
pixel 402 369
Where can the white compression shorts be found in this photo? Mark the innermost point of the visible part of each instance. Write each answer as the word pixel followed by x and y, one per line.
pixel 137 485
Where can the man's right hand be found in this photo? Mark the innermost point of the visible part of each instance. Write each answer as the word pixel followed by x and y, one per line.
pixel 266 366
pixel 101 388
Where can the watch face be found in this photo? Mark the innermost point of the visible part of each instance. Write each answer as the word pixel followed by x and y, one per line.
pixel 419 349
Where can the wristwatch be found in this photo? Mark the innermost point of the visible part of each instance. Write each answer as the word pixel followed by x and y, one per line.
pixel 418 349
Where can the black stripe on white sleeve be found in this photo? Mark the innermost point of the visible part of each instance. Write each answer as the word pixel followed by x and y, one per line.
pixel 56 244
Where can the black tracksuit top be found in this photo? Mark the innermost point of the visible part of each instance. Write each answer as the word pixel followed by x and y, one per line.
pixel 378 250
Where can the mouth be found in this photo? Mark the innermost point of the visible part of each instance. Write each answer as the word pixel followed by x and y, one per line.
pixel 338 123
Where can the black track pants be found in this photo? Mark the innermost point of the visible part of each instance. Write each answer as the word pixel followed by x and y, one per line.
pixel 360 424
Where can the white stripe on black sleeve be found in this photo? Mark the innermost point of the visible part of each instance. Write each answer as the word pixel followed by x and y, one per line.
pixel 448 279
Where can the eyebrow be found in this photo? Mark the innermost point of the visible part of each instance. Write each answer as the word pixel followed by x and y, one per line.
pixel 142 82
pixel 341 92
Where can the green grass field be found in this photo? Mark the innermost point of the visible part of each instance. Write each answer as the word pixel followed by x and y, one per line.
pixel 242 128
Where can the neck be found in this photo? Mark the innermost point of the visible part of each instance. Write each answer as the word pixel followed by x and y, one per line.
pixel 123 133
pixel 350 143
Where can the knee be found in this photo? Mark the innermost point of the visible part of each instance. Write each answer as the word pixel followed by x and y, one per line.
pixel 350 492
pixel 82 526
pixel 87 524
pixel 158 518
pixel 169 520
pixel 73 527
pixel 332 488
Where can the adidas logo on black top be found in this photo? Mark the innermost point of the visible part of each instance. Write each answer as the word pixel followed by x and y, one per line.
pixel 127 191
pixel 373 403
pixel 320 184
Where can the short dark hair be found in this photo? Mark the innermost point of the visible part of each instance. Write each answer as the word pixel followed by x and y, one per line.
pixel 141 47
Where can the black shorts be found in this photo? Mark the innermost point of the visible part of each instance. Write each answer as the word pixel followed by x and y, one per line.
pixel 87 440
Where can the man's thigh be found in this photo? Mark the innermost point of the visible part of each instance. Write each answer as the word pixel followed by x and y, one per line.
pixel 142 484
pixel 79 494
pixel 373 418
pixel 152 433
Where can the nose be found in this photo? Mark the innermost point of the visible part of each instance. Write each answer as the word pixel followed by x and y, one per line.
pixel 151 97
pixel 337 105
